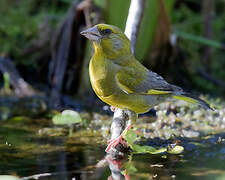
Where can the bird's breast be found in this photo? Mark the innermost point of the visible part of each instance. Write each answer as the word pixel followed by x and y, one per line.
pixel 101 77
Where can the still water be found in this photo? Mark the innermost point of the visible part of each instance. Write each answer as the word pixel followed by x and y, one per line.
pixel 38 150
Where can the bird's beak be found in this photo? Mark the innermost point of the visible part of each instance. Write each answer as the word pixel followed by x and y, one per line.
pixel 92 33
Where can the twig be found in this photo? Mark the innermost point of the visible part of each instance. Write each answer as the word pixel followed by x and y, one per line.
pixel 210 78
pixel 22 88
pixel 38 176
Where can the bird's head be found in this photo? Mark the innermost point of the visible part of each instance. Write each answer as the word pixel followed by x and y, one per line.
pixel 108 39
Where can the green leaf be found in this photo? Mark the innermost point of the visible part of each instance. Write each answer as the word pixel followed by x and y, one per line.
pixel 7 177
pixel 198 144
pixel 66 1
pixel 176 150
pixel 147 149
pixel 148 27
pixel 6 80
pixel 100 3
pixel 117 19
pixel 129 168
pixel 67 117
pixel 199 39
pixel 130 136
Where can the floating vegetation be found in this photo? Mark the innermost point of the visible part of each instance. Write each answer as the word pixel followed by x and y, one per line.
pixel 68 118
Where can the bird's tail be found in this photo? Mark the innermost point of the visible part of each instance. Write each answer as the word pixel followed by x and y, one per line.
pixel 192 99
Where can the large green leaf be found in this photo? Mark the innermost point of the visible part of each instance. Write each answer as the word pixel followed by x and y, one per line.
pixel 116 12
pixel 131 137
pixel 199 39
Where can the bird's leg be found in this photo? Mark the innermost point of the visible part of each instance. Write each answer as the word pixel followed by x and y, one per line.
pixel 118 125
pixel 132 116
pixel 114 142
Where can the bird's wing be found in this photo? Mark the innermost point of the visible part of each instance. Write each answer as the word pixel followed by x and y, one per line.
pixel 143 81
pixel 137 79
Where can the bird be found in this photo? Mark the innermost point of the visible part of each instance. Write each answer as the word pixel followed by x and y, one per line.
pixel 121 81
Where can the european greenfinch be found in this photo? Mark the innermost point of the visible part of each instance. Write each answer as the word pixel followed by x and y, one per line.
pixel 122 81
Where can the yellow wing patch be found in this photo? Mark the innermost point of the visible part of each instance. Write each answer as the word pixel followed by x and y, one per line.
pixel 187 99
pixel 157 92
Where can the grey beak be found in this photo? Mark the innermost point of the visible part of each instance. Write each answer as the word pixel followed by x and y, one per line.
pixel 92 33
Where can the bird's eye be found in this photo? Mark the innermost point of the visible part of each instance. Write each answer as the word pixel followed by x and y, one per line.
pixel 106 31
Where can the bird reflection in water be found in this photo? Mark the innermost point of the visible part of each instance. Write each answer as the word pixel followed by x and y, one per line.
pixel 115 165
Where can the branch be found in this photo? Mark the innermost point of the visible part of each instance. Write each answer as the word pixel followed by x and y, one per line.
pixel 56 174
pixel 131 30
pixel 66 51
pixel 134 21
pixel 210 78
pixel 22 88
pixel 208 11
pixel 118 123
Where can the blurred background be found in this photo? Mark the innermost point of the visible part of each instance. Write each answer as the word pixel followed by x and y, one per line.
pixel 182 40
pixel 44 70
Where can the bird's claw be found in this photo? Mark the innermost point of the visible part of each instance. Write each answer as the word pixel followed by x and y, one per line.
pixel 119 140
pixel 114 142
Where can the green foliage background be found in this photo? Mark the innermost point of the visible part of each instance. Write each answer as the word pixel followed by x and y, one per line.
pixel 20 23
pixel 190 22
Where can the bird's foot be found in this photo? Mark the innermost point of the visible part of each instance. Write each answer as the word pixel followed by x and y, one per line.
pixel 114 142
pixel 119 140
pixel 113 108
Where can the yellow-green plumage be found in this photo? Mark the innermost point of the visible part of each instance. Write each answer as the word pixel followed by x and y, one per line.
pixel 120 80
pixel 105 85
